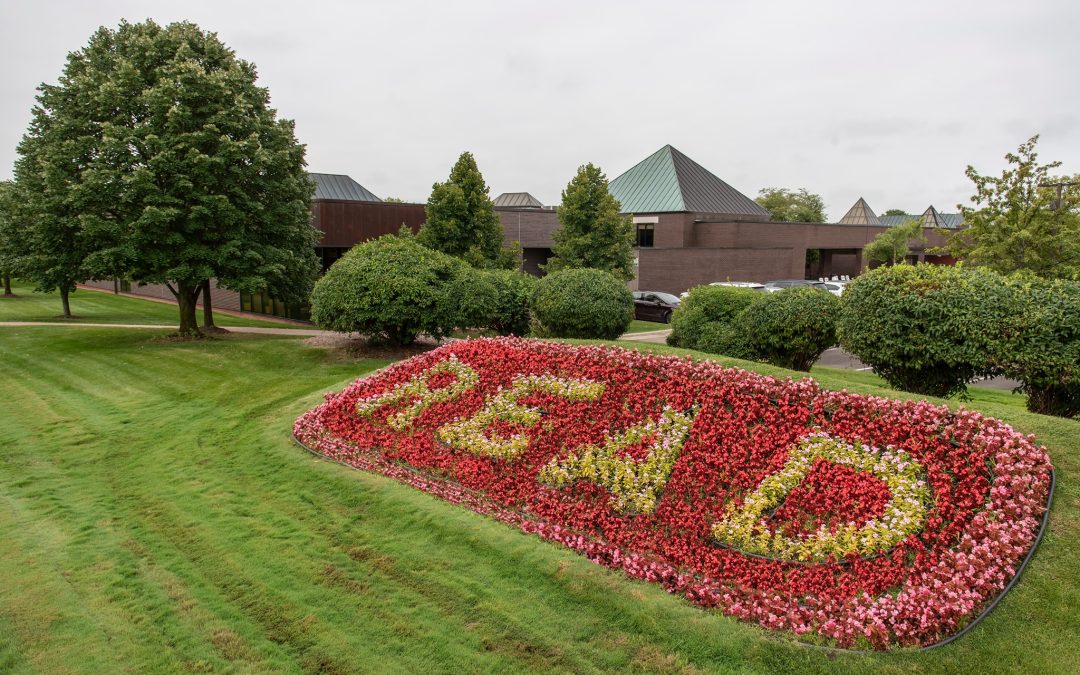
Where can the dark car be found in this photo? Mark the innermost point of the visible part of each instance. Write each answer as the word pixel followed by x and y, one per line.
pixel 654 306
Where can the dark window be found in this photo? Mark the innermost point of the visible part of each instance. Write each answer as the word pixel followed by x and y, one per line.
pixel 645 235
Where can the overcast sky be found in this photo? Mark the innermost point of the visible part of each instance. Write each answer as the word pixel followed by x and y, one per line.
pixel 847 99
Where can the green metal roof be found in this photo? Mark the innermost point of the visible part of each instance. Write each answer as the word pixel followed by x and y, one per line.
pixel 337 186
pixel 668 181
pixel 931 217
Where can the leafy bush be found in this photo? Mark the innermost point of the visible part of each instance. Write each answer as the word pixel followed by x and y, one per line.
pixel 926 329
pixel 509 314
pixel 707 305
pixel 790 328
pixel 394 289
pixel 1041 345
pixel 582 303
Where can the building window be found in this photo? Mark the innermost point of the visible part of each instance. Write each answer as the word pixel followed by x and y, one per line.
pixel 263 303
pixel 645 235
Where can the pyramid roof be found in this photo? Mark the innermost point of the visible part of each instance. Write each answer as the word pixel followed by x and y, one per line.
pixel 668 181
pixel 860 214
pixel 519 200
pixel 340 187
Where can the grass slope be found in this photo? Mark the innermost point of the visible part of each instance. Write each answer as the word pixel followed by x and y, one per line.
pixel 156 517
pixel 97 307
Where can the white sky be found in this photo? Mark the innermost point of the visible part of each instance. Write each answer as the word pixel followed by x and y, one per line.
pixel 889 101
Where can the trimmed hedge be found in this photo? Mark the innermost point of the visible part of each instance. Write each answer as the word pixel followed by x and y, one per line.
pixel 790 328
pixel 926 329
pixel 582 303
pixel 1040 345
pixel 509 315
pixel 705 305
pixel 394 289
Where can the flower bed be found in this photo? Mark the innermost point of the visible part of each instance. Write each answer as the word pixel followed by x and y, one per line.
pixel 862 521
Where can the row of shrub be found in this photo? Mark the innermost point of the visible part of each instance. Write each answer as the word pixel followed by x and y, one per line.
pixel 789 329
pixel 925 329
pixel 395 289
pixel 932 329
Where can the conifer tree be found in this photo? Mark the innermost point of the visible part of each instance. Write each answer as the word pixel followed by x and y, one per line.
pixel 460 219
pixel 592 233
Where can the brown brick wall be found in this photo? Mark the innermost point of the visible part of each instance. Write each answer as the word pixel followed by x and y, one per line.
pixel 531 227
pixel 222 297
pixel 676 269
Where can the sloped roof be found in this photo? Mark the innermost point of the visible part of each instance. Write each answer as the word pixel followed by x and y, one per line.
pixel 341 187
pixel 521 200
pixel 950 221
pixel 860 214
pixel 931 217
pixel 668 181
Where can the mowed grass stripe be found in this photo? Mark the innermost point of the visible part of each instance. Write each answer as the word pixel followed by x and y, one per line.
pixel 161 520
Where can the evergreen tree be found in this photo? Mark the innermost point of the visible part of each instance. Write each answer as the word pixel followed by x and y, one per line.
pixel 592 233
pixel 460 219
pixel 157 157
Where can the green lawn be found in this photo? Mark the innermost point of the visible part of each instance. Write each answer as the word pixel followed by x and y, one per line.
pixel 645 326
pixel 98 307
pixel 156 517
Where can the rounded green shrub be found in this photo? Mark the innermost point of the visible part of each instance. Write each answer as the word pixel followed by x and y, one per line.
pixel 394 289
pixel 706 305
pixel 926 329
pixel 509 314
pixel 790 328
pixel 582 303
pixel 1040 345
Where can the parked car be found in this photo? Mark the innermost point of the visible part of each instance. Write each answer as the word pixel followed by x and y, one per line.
pixel 752 285
pixel 654 306
pixel 835 287
pixel 781 284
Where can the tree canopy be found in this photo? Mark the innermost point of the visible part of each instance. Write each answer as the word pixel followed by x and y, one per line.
pixel 1017 222
pixel 460 219
pixel 892 245
pixel 10 238
pixel 895 212
pixel 792 206
pixel 592 233
pixel 156 156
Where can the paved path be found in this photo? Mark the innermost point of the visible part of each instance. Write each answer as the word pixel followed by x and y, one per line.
pixel 657 336
pixel 832 358
pixel 300 332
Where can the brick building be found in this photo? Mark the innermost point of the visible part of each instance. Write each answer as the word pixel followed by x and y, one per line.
pixel 693 228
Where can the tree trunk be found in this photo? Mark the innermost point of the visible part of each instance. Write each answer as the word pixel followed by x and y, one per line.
pixel 7 285
pixel 64 300
pixel 1059 401
pixel 207 307
pixel 186 294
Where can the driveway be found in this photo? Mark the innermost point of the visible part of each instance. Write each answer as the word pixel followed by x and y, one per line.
pixel 831 358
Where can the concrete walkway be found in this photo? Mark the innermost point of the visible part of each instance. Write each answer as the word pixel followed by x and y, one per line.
pixel 655 336
pixel 299 332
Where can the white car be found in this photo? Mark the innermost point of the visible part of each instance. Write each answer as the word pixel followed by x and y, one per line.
pixel 752 285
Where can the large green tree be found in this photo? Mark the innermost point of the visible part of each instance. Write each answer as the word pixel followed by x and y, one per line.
pixel 460 219
pixel 892 245
pixel 10 238
pixel 1017 222
pixel 163 160
pixel 592 233
pixel 895 212
pixel 792 206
